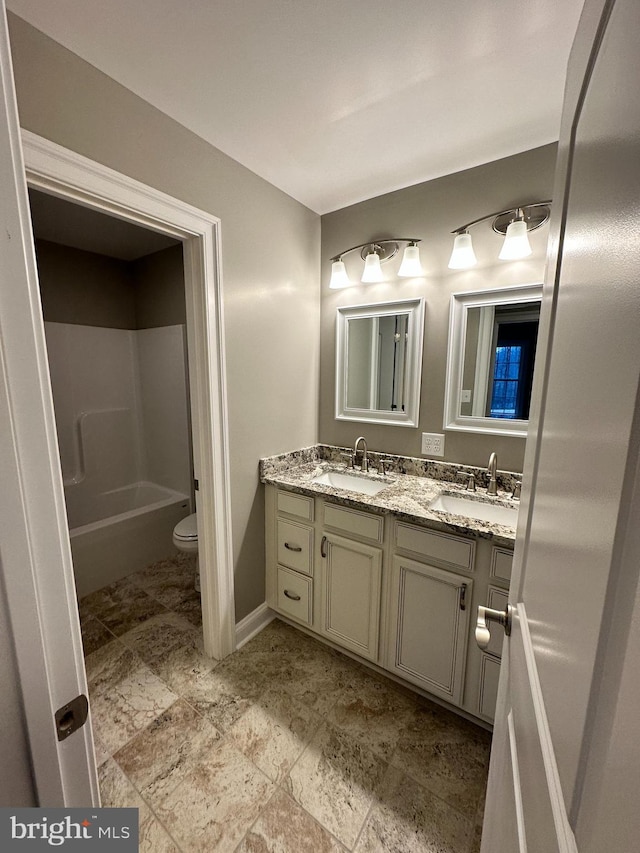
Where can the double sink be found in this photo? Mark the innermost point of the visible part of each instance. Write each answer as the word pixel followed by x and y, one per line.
pixel 448 502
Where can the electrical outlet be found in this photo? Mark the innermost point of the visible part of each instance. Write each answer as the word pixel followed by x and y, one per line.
pixel 465 396
pixel 432 444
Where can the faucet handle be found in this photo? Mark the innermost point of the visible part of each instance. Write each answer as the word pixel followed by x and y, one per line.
pixel 470 478
pixel 350 455
pixel 516 491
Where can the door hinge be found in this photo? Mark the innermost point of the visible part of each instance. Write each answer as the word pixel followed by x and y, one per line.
pixel 71 716
pixel 196 486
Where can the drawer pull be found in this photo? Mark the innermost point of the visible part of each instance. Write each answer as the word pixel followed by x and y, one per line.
pixel 323 549
pixel 292 595
pixel 463 597
pixel 292 547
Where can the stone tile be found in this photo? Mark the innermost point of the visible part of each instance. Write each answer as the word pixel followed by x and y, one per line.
pixel 224 693
pixel 184 669
pixel 116 791
pixel 317 678
pixel 128 706
pixel 94 635
pixel 408 819
pixel 334 780
pixel 190 608
pixel 215 806
pixel 374 712
pixel 109 665
pixel 155 639
pixel 122 605
pixel 170 581
pixel 101 751
pixel 154 839
pixel 274 732
pixel 285 827
pixel 162 755
pixel 446 754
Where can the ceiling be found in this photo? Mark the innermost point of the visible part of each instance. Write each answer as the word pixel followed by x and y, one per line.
pixel 69 224
pixel 335 101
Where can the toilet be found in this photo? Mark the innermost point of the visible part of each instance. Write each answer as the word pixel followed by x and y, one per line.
pixel 185 538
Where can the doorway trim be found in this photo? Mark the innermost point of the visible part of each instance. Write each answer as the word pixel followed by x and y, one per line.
pixel 64 173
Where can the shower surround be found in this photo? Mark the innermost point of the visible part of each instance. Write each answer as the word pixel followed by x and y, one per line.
pixel 121 406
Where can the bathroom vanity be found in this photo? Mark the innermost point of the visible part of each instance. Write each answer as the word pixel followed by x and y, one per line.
pixel 386 577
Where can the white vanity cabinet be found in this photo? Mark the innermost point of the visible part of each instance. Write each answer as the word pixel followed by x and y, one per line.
pixel 351 579
pixel 399 595
pixel 430 609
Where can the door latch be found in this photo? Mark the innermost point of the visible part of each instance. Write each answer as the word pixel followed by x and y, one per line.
pixel 487 615
pixel 71 716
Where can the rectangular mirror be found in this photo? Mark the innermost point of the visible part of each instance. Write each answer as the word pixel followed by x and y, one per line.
pixel 379 362
pixel 492 345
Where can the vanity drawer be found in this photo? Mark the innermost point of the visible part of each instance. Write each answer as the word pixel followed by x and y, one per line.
pixel 451 551
pixel 294 595
pixel 362 524
pixel 501 562
pixel 295 546
pixel 297 505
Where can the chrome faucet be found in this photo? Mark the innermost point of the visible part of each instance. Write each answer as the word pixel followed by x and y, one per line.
pixel 492 488
pixel 365 462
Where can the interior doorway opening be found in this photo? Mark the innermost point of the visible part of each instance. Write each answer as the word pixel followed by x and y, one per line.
pixel 96 190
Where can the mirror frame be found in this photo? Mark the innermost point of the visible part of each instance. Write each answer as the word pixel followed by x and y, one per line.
pixel 413 377
pixel 460 303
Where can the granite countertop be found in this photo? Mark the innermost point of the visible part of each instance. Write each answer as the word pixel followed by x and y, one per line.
pixel 407 496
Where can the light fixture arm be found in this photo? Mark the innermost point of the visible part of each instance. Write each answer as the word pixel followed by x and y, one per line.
pixel 510 211
pixel 379 244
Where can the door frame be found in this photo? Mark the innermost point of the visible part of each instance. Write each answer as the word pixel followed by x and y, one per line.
pixel 58 171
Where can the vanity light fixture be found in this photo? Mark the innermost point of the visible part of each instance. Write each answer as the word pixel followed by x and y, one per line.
pixel 514 223
pixel 374 254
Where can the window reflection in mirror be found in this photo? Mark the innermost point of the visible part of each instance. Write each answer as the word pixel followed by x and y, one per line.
pixel 492 347
pixel 379 362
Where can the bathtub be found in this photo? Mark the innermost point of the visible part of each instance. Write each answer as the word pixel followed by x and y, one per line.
pixel 120 531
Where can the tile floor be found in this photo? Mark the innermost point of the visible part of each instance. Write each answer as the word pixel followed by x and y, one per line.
pixel 284 747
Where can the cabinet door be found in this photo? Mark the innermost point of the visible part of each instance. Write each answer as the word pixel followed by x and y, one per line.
pixel 429 625
pixel 351 577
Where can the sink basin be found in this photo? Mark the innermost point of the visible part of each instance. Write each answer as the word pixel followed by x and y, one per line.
pixel 352 482
pixel 481 511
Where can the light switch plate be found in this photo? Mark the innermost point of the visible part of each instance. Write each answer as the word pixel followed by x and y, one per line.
pixel 432 444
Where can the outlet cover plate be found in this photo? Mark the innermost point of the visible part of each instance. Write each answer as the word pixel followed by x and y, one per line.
pixel 432 444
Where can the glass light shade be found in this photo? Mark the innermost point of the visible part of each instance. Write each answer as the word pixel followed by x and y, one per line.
pixel 339 277
pixel 516 243
pixel 372 269
pixel 462 256
pixel 411 266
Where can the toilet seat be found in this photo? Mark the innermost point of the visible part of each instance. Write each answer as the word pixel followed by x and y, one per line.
pixel 186 530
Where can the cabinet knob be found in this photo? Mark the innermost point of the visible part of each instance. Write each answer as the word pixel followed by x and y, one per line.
pixel 487 615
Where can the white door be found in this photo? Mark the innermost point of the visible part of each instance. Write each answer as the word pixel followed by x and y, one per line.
pixel 35 555
pixel 564 776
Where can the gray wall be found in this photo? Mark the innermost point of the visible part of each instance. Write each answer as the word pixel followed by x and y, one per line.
pixel 270 260
pixel 84 288
pixel 159 289
pixel 431 211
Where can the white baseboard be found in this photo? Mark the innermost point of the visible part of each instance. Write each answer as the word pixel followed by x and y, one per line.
pixel 253 624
